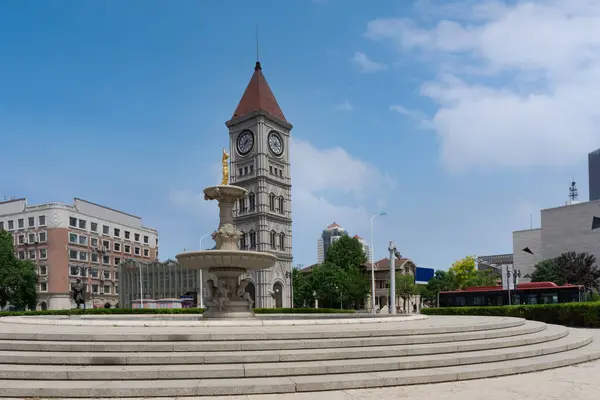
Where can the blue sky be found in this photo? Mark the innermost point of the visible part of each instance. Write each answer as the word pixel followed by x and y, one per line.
pixel 457 118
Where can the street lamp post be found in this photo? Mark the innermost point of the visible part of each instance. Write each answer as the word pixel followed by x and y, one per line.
pixel 373 263
pixel 202 274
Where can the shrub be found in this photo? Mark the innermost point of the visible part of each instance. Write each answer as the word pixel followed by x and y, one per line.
pixel 568 314
pixel 93 311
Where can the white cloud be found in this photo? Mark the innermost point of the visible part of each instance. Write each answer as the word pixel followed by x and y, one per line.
pixel 345 106
pixel 518 83
pixel 417 116
pixel 366 65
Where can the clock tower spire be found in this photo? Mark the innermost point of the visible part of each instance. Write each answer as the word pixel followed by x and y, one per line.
pixel 260 141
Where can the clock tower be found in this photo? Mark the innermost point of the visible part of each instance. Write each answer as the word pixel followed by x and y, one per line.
pixel 259 140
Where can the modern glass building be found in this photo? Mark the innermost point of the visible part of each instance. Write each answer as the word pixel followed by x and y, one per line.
pixel 594 174
pixel 160 280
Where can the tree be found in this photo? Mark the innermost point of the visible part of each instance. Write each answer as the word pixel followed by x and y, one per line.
pixel 346 253
pixel 18 278
pixel 571 267
pixel 405 288
pixel 482 278
pixel 464 270
pixel 356 286
pixel 326 280
pixel 303 293
pixel 442 281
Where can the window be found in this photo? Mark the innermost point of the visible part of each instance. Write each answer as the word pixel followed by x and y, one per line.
pixel 94 242
pixel 116 290
pixel 83 240
pixel 251 168
pixel 73 254
pixel 252 240
pixel 275 169
pixel 105 259
pixel 117 260
pixel 42 237
pixel 31 222
pixel 21 239
pixel 252 201
pixel 72 238
pixel 281 211
pixel 242 205
pixel 94 226
pixel 106 274
pixel 116 276
pixel 11 225
pixel 105 230
pixel 137 251
pixel 271 169
pixel 95 289
pixel 240 172
pixel 273 237
pixel 94 272
pixel 31 238
pixel 146 253
pixel 82 224
pixel 21 255
pixel 146 239
pixel 117 246
pixel 73 222
pixel 43 254
pixel 280 172
pixel 106 289
pixel 43 270
pixel 243 244
pixel 127 235
pixel 1 225
pixel 83 256
pixel 127 249
pixel 43 286
pixel 282 241
pixel 21 223
pixel 117 232
pixel 94 257
pixel 246 170
pixel 136 237
pixel 42 220
pixel 74 270
pixel 83 271
pixel 32 254
pixel 106 243
pixel 272 202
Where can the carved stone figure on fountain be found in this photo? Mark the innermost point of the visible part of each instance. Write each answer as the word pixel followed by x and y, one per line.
pixel 242 294
pixel 227 237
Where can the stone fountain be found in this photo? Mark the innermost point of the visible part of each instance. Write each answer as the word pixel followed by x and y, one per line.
pixel 227 297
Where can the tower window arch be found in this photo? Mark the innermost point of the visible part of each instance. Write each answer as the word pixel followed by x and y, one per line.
pixel 281 203
pixel 252 201
pixel 273 237
pixel 272 202
pixel 242 205
pixel 252 237
pixel 243 244
pixel 282 241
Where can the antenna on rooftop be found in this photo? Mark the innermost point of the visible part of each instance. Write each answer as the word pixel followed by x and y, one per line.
pixel 573 193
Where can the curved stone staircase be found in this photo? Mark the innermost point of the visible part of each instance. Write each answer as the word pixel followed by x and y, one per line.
pixel 83 361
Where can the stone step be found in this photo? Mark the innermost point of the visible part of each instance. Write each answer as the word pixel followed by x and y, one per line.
pixel 270 356
pixel 205 371
pixel 208 346
pixel 308 383
pixel 108 333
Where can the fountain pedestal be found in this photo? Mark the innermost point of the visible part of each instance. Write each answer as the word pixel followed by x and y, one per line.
pixel 227 297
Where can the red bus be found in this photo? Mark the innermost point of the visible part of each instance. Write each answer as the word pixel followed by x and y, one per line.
pixel 525 293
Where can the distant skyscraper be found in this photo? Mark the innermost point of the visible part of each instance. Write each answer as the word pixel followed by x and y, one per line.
pixel 594 174
pixel 328 237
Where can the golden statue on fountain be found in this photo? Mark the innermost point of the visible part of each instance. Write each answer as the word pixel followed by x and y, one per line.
pixel 225 168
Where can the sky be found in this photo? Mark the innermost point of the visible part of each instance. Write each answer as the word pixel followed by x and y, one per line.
pixel 459 119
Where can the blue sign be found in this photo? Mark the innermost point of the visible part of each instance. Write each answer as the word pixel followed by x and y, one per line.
pixel 423 275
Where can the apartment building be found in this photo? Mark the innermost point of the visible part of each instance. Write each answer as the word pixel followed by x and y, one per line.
pixel 83 240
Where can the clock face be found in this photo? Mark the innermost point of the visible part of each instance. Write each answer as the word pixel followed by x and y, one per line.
pixel 245 142
pixel 275 143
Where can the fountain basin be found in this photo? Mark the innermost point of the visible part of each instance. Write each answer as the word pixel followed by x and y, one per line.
pixel 207 259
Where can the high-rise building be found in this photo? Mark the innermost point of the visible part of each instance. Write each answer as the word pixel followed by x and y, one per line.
pixel 259 137
pixel 327 238
pixel 594 174
pixel 83 240
pixel 365 246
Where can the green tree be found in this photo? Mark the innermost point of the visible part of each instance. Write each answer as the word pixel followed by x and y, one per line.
pixel 356 286
pixel 570 267
pixel 442 281
pixel 464 270
pixel 18 278
pixel 346 253
pixel 326 280
pixel 405 288
pixel 482 278
pixel 303 293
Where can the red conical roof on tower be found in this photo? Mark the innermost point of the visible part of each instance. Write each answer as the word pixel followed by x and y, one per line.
pixel 258 96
